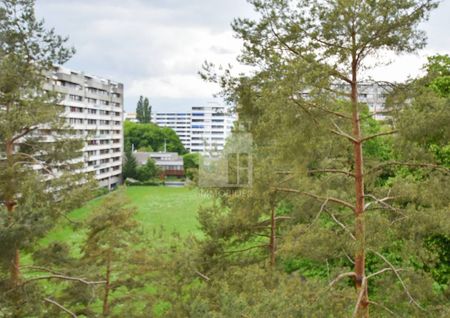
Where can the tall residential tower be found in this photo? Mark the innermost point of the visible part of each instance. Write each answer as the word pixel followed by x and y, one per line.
pixel 94 109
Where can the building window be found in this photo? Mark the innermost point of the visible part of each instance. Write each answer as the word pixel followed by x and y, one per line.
pixel 76 109
pixel 76 98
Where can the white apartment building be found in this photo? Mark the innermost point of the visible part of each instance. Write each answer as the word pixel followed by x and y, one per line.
pixel 204 129
pixel 373 94
pixel 94 109
pixel 131 117
pixel 180 122
pixel 210 127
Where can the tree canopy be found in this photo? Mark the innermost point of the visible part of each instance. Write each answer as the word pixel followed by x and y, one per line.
pixel 142 136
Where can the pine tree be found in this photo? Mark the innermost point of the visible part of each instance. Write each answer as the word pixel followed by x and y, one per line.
pixel 304 110
pixel 111 241
pixel 37 148
pixel 129 165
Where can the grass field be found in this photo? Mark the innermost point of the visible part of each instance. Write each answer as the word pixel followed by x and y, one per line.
pixel 174 209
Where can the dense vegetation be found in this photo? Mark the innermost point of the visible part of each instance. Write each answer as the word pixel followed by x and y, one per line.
pixel 346 215
pixel 150 137
pixel 143 110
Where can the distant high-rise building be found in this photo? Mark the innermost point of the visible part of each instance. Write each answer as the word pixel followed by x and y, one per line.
pixel 94 109
pixel 373 94
pixel 179 122
pixel 204 129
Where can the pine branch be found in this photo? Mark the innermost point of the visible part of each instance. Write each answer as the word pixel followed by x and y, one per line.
pixel 40 269
pixel 347 173
pixel 343 226
pixel 349 258
pixel 386 133
pixel 34 160
pixel 26 131
pixel 202 276
pixel 380 201
pixel 338 114
pixel 340 276
pixel 333 72
pixel 245 249
pixel 340 132
pixel 360 296
pixel 63 277
pixel 395 270
pixel 382 271
pixel 409 164
pixel 322 207
pixel 331 199
pixel 384 307
pixel 48 300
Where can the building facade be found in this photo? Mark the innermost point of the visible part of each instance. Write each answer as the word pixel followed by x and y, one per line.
pixel 131 117
pixel 170 163
pixel 179 122
pixel 373 94
pixel 204 129
pixel 94 109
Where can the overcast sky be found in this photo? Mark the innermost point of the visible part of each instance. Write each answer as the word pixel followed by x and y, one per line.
pixel 157 47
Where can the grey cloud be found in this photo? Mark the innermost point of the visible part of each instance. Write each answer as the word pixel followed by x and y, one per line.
pixel 142 40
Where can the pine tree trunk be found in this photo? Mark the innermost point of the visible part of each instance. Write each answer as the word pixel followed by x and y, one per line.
pixel 15 261
pixel 363 310
pixel 107 288
pixel 10 207
pixel 273 237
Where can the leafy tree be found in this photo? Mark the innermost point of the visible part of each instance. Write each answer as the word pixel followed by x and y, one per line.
pixel 140 110
pixel 37 179
pixel 143 110
pixel 191 164
pixel 421 108
pixel 310 58
pixel 438 68
pixel 147 111
pixel 130 165
pixel 147 171
pixel 151 135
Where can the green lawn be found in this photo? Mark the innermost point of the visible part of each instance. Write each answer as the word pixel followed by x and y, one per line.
pixel 174 209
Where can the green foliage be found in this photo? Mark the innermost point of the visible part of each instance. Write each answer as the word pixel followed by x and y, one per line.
pixel 150 135
pixel 438 69
pixel 38 179
pixel 129 169
pixel 153 182
pixel 306 57
pixel 191 163
pixel 143 110
pixel 140 109
pixel 147 171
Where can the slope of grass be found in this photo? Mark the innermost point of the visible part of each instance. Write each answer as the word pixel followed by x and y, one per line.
pixel 173 209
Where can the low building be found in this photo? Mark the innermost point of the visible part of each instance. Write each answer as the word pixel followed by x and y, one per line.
pixel 131 117
pixel 170 163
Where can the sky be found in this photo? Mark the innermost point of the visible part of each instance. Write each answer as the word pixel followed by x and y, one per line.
pixel 156 47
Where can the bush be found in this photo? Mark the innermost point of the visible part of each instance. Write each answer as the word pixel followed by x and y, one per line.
pixel 152 182
pixel 147 171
